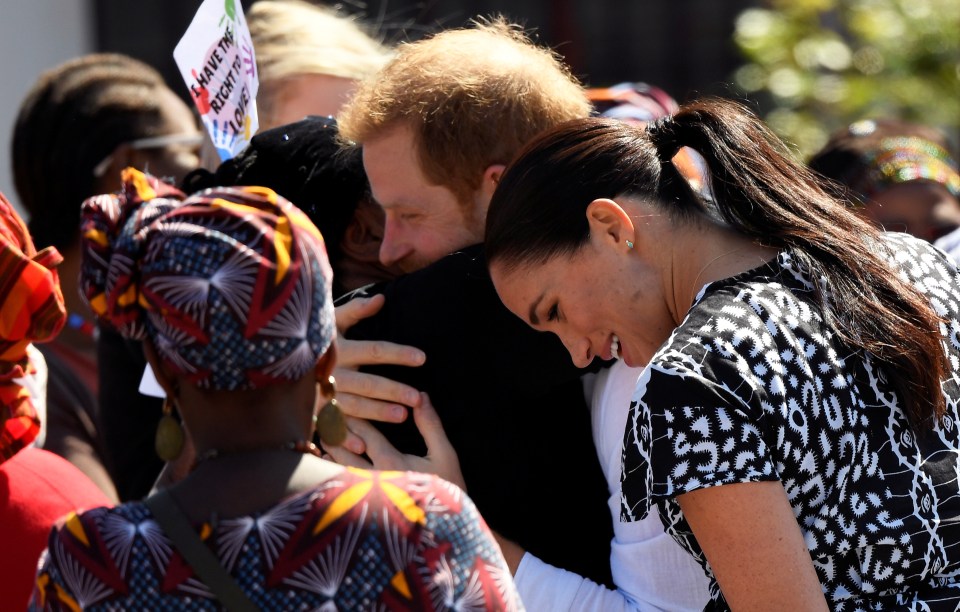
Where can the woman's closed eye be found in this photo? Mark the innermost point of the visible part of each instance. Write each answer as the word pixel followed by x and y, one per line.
pixel 554 313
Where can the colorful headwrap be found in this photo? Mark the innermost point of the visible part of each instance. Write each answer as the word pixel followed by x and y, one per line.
pixel 232 285
pixel 31 310
pixel 905 159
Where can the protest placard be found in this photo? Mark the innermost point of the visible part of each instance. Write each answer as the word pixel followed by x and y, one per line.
pixel 217 62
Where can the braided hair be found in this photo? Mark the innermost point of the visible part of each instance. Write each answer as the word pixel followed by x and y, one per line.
pixel 75 115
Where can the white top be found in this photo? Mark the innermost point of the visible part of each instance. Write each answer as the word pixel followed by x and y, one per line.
pixel 650 570
pixel 950 244
pixel 36 385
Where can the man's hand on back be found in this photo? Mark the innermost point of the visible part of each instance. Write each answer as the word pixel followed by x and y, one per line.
pixel 367 396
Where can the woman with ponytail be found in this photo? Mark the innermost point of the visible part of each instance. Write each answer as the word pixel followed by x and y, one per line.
pixel 796 424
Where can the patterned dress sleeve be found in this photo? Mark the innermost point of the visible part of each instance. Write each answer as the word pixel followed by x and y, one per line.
pixel 462 566
pixel 52 589
pixel 706 434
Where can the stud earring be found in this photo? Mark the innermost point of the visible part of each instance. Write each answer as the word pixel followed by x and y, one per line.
pixel 169 440
pixel 330 422
pixel 629 244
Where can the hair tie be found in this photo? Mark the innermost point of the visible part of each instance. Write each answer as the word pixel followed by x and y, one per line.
pixel 662 134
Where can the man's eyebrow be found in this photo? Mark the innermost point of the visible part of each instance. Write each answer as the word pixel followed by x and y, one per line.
pixel 534 319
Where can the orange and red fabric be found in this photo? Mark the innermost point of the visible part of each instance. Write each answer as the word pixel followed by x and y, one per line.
pixel 31 310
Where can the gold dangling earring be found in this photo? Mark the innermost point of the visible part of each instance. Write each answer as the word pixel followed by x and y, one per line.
pixel 331 424
pixel 169 440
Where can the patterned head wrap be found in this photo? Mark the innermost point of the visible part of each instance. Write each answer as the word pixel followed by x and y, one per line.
pixel 905 159
pixel 31 310
pixel 232 285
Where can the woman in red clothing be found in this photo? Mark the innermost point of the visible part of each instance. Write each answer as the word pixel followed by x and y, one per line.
pixel 36 487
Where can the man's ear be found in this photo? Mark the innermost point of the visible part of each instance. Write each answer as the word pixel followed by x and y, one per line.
pixel 164 377
pixel 610 223
pixel 489 182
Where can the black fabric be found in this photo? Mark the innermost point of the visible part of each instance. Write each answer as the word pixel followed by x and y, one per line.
pixel 511 402
pixel 73 428
pixel 128 419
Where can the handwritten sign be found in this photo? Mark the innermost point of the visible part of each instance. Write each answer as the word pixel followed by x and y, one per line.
pixel 217 62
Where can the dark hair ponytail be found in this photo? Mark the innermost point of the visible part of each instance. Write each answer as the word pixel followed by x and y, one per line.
pixel 758 189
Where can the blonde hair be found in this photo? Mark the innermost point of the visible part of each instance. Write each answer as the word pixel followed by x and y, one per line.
pixel 293 38
pixel 473 97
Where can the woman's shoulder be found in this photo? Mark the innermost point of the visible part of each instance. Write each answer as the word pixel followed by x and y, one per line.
pixel 90 525
pixel 412 493
pixel 919 260
pixel 425 503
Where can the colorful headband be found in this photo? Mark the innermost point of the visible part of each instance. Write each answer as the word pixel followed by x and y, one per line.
pixel 31 310
pixel 232 285
pixel 905 159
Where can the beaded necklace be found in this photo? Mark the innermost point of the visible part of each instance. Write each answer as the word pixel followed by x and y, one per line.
pixel 299 446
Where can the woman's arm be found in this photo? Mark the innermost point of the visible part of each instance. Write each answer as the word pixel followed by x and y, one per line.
pixel 751 538
pixel 541 586
pixel 545 587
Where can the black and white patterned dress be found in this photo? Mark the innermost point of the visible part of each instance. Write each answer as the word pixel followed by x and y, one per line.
pixel 754 386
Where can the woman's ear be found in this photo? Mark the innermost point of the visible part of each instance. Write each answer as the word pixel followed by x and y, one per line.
pixel 610 223
pixel 164 377
pixel 326 363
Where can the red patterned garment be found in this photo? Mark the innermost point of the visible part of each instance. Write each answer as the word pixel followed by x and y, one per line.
pixel 31 310
pixel 359 541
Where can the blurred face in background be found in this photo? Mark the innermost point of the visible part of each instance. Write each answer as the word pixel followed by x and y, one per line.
pixel 303 95
pixel 924 209
pixel 170 156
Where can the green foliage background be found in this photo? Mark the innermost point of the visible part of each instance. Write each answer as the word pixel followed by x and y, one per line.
pixel 822 64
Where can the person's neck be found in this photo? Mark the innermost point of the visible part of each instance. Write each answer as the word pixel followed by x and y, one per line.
pixel 248 440
pixel 246 483
pixel 232 422
pixel 705 253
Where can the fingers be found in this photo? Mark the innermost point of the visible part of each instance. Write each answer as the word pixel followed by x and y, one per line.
pixel 371 409
pixel 356 353
pixel 342 456
pixel 383 454
pixel 354 443
pixel 375 387
pixel 441 455
pixel 431 428
pixel 355 310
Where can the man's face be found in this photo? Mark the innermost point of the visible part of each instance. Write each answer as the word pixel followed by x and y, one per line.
pixel 424 222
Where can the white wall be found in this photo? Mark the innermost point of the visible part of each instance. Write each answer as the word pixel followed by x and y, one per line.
pixel 34 35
